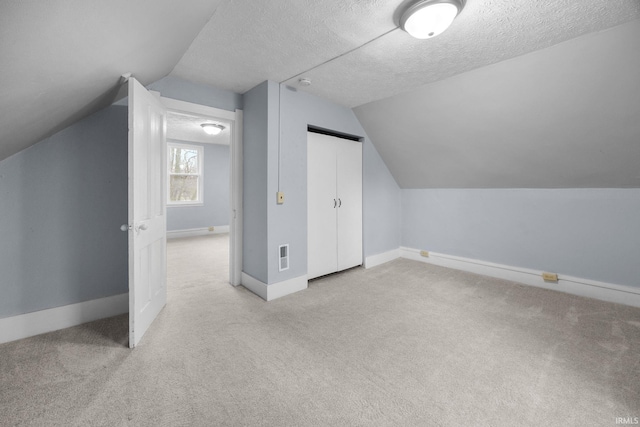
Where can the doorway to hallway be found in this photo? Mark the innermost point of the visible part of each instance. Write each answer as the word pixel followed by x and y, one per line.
pixel 216 215
pixel 194 262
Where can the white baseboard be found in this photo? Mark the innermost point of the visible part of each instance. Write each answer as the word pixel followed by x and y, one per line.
pixel 176 234
pixel 254 285
pixel 620 294
pixel 280 289
pixel 275 290
pixel 39 322
pixel 374 260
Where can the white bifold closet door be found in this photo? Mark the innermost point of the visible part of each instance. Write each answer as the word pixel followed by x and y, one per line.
pixel 334 202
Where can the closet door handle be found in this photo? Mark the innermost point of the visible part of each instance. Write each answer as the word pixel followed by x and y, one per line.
pixel 335 203
pixel 339 203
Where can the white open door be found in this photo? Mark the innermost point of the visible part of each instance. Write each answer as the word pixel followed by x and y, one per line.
pixel 147 210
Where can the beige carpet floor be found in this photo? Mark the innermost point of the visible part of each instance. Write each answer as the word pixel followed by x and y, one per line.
pixel 402 344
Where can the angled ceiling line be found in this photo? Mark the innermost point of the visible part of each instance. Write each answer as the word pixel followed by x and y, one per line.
pixel 213 15
pixel 341 55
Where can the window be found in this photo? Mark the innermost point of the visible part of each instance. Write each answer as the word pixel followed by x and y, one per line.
pixel 185 174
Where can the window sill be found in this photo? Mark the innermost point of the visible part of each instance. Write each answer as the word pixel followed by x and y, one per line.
pixel 184 205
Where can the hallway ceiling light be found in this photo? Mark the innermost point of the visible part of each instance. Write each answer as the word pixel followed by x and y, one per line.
pixel 212 128
pixel 428 18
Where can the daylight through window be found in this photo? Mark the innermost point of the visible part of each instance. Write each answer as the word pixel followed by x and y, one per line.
pixel 185 174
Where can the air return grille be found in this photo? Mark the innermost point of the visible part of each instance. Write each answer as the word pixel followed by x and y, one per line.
pixel 283 250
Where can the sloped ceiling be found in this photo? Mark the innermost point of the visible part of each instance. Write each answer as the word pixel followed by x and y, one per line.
pixel 354 52
pixel 563 117
pixel 61 60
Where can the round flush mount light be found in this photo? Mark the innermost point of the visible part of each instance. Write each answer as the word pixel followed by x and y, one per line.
pixel 212 128
pixel 428 18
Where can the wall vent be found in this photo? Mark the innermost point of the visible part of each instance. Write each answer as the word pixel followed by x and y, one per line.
pixel 283 250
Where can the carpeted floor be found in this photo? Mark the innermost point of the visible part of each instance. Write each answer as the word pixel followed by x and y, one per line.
pixel 402 344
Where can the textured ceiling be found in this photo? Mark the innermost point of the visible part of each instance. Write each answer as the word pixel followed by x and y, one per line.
pixel 247 42
pixel 564 117
pixel 61 60
pixel 186 127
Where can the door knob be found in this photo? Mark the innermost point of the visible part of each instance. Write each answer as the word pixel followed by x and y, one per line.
pixel 125 227
pixel 141 227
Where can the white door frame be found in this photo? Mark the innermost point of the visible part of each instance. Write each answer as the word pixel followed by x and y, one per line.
pixel 234 119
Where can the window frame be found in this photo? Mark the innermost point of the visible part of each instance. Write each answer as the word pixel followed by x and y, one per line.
pixel 200 150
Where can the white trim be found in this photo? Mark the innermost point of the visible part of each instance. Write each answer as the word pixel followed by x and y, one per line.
pixel 39 322
pixel 205 110
pixel 375 260
pixel 236 208
pixel 235 121
pixel 194 232
pixel 280 289
pixel 620 294
pixel 184 205
pixel 275 290
pixel 254 285
pixel 200 150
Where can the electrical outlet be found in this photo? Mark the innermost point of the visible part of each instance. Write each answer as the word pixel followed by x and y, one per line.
pixel 424 254
pixel 550 277
pixel 211 228
pixel 280 197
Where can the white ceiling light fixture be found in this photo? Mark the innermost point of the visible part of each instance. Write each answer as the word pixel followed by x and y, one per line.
pixel 428 18
pixel 212 128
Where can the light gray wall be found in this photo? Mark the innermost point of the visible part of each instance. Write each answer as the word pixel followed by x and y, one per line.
pixel 381 202
pixel 215 209
pixel 270 159
pixel 288 222
pixel 586 233
pixel 183 90
pixel 63 201
pixel 255 145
